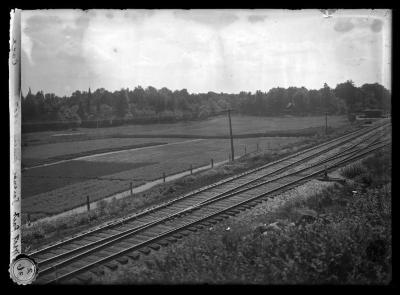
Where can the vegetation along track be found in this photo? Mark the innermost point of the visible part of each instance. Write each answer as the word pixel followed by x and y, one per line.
pixel 140 233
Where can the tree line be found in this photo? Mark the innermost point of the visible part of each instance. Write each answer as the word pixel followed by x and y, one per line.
pixel 46 111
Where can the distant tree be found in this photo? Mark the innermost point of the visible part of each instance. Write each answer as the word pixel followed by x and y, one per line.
pixel 376 96
pixel 349 93
pixel 137 96
pixel 121 103
pixel 105 113
pixel 315 101
pixel 29 109
pixel 164 104
pixel 69 114
pixel 300 101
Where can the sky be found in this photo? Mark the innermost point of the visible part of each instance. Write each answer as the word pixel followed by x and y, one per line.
pixel 203 50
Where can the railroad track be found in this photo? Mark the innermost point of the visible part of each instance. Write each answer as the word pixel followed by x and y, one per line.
pixel 158 226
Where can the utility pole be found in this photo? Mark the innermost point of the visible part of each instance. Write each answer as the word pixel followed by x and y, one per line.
pixel 231 136
pixel 326 122
pixel 88 203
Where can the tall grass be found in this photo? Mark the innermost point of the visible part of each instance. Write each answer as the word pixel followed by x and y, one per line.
pixel 350 242
pixel 353 171
pixel 350 246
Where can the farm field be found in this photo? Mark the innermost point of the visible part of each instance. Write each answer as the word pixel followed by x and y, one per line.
pixel 104 169
pixel 54 189
pixel 73 195
pixel 177 158
pixel 35 154
pixel 216 126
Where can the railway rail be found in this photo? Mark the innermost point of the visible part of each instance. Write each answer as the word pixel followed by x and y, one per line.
pixel 158 226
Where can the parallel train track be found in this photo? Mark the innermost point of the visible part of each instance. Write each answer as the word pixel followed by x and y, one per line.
pixel 165 223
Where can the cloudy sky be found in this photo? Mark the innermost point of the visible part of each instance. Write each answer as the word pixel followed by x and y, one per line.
pixel 203 50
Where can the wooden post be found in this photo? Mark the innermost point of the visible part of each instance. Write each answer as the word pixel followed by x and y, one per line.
pixel 326 122
pixel 257 146
pixel 231 136
pixel 191 169
pixel 163 175
pixel 88 203
pixel 131 188
pixel 212 163
pixel 29 219
pixel 245 150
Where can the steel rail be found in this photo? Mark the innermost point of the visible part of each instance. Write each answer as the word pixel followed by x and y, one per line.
pixel 108 225
pixel 114 236
pixel 213 214
pixel 187 210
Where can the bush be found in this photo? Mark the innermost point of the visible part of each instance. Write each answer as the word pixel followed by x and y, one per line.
pixel 351 117
pixel 101 206
pixel 352 171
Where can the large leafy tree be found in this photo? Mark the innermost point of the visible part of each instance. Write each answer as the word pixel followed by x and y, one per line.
pixel 350 94
pixel 121 103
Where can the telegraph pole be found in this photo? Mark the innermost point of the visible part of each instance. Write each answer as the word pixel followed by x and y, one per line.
pixel 231 136
pixel 326 122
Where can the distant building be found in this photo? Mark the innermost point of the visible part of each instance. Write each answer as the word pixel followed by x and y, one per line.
pixel 368 116
pixel 289 110
pixel 372 113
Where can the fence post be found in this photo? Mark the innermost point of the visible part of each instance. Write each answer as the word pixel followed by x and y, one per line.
pixel 29 219
pixel 245 150
pixel 131 188
pixel 257 146
pixel 212 163
pixel 163 175
pixel 191 169
pixel 88 203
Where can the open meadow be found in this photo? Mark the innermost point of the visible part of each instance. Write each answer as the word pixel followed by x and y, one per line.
pixel 52 152
pixel 214 126
pixel 99 168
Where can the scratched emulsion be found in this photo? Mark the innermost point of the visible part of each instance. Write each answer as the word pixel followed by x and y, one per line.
pixel 15 133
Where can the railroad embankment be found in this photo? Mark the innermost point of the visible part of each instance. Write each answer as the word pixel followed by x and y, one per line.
pixel 317 233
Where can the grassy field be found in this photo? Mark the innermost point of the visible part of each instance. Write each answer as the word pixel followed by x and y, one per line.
pixel 44 179
pixel 71 196
pixel 63 186
pixel 216 126
pixel 48 231
pixel 37 154
pixel 52 230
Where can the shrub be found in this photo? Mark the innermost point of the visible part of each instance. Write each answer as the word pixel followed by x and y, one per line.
pixel 101 206
pixel 352 171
